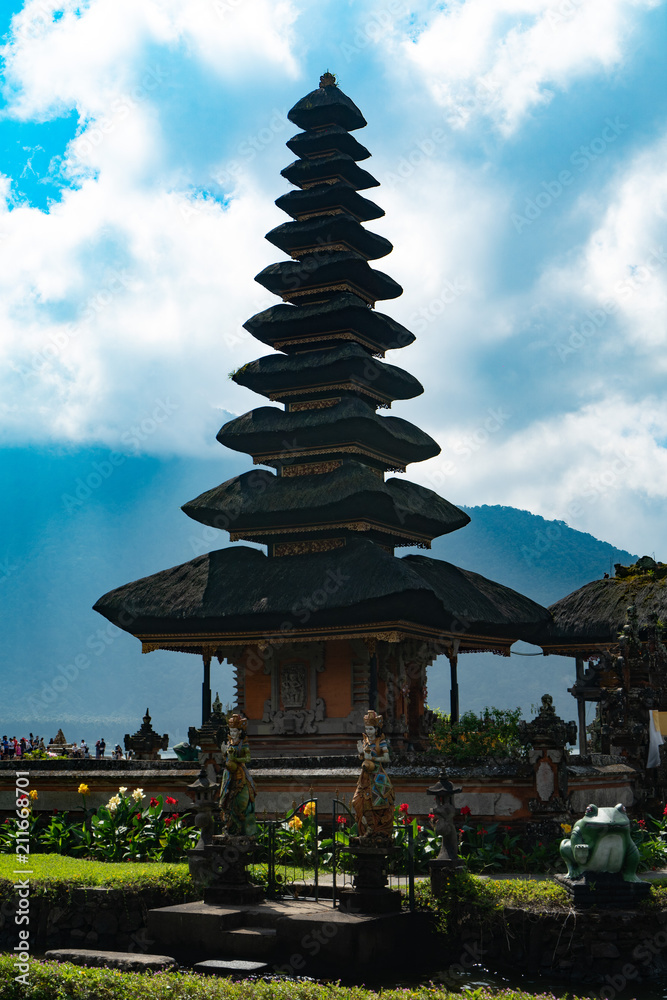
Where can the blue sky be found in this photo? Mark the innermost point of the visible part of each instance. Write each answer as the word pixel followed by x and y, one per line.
pixel 520 146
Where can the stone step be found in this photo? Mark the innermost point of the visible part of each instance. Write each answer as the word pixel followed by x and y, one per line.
pixel 126 961
pixel 196 927
pixel 250 942
pixel 231 967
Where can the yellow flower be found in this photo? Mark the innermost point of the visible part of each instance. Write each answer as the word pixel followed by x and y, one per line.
pixel 295 823
pixel 138 794
pixel 33 794
pixel 309 808
pixel 122 789
pixel 83 789
pixel 566 828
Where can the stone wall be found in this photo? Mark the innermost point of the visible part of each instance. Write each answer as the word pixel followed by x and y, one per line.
pixel 108 919
pixel 504 791
pixel 609 948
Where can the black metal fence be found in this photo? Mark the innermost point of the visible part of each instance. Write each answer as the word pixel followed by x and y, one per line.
pixel 299 859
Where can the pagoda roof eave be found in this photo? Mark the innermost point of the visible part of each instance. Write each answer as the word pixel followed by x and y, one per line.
pixel 318 234
pixel 240 591
pixel 323 198
pixel 293 279
pixel 343 316
pixel 334 139
pixel 267 431
pixel 324 107
pixel 278 376
pixel 351 493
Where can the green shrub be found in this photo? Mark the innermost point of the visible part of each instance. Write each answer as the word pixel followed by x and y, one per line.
pixel 492 733
pixel 47 980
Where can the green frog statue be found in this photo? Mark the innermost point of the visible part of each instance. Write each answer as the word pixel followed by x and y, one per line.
pixel 600 842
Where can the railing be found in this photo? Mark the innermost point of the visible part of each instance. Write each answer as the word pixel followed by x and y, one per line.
pixel 297 854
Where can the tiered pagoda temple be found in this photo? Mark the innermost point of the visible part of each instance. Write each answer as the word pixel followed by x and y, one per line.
pixel 329 621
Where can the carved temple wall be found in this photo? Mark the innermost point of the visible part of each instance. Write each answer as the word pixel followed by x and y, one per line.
pixel 308 697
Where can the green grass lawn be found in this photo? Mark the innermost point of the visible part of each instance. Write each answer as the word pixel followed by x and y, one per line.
pixel 51 871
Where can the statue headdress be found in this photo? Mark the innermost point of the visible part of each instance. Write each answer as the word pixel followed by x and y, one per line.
pixel 373 719
pixel 237 721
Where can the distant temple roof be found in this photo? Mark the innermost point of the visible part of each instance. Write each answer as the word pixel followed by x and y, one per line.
pixel 589 619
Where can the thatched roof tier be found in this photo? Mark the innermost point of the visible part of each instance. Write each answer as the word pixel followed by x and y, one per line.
pixel 589 620
pixel 326 106
pixel 332 167
pixel 347 369
pixel 238 594
pixel 350 427
pixel 324 274
pixel 323 198
pixel 343 318
pixel 259 506
pixel 323 233
pixel 334 139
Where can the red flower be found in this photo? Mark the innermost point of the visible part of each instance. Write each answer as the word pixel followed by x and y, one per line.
pixel 461 830
pixel 642 823
pixel 174 815
pixel 481 832
pixel 664 811
pixel 404 807
pixel 431 816
pixel 153 802
pixel 167 821
pixel 341 819
pixel 465 810
pixel 171 801
pixel 419 828
pixel 138 815
pixel 55 812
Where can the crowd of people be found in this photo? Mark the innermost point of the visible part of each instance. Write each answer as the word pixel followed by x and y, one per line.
pixel 12 748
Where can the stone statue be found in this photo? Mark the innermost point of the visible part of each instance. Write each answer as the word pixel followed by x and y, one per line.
pixel 373 800
pixel 444 810
pixel 237 792
pixel 600 842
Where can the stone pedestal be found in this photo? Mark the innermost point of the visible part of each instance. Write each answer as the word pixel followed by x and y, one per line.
pixel 221 867
pixel 606 890
pixel 370 893
pixel 441 870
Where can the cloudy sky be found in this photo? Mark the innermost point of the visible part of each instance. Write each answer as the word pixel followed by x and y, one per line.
pixel 521 149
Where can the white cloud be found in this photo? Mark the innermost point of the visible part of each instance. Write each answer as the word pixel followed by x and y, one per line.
pixel 107 50
pixel 623 264
pixel 594 468
pixel 503 58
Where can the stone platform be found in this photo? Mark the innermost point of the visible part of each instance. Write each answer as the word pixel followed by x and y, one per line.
pixel 126 961
pixel 604 889
pixel 293 937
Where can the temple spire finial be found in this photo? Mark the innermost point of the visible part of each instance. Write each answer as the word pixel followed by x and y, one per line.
pixel 327 80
